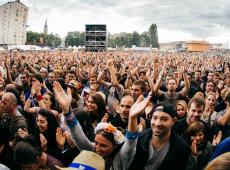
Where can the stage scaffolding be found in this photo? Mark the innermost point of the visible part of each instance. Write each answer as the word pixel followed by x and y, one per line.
pixel 95 38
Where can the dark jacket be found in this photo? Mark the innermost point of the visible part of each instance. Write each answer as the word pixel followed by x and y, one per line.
pixel 11 126
pixel 199 162
pixel 176 158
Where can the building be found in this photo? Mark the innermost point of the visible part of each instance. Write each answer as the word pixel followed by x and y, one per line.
pixel 13 21
pixel 173 46
pixel 220 46
pixel 197 46
pixel 45 28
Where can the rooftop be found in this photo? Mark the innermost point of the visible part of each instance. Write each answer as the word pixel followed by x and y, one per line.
pixel 11 2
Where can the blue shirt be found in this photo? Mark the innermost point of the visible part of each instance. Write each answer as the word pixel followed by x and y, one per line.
pixel 222 148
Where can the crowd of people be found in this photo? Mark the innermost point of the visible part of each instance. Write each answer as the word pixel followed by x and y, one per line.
pixel 135 110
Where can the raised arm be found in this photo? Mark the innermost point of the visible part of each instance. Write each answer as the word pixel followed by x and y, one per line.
pixel 39 95
pixel 185 90
pixel 137 108
pixel 64 100
pixel 224 120
pixel 8 75
pixel 94 69
pixel 100 78
pixel 135 70
pixel 150 80
pixel 32 69
pixel 128 81
pixel 157 90
pixel 112 71
pixel 128 149
pixel 27 105
pixel 155 68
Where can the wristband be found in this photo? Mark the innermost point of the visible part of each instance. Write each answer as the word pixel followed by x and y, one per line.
pixel 71 120
pixel 39 97
pixel 67 114
pixel 131 135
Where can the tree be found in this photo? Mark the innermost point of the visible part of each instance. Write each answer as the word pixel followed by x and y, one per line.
pixel 75 38
pixel 135 38
pixel 153 36
pixel 52 40
pixel 33 38
pixel 145 39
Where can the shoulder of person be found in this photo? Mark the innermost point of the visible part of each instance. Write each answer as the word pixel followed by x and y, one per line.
pixel 177 140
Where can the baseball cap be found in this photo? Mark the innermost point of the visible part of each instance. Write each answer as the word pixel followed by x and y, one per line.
pixel 167 108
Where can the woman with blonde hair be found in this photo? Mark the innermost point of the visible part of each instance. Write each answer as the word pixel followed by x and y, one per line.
pixel 209 114
pixel 181 109
pixel 198 95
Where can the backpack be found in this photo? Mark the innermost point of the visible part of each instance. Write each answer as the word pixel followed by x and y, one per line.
pixel 12 125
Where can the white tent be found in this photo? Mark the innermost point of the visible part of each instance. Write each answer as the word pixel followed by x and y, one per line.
pixel 24 47
pixel 2 49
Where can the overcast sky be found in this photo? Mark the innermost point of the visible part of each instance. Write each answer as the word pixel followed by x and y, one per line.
pixel 176 19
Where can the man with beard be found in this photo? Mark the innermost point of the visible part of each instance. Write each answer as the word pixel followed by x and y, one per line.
pixel 52 77
pixel 25 78
pixel 171 96
pixel 159 147
pixel 195 110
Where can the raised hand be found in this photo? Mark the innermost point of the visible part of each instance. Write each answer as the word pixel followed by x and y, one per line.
pixel 38 87
pixel 194 147
pixel 148 73
pixel 162 72
pixel 105 118
pixel 63 98
pixel 139 106
pixel 141 125
pixel 43 142
pixel 110 62
pixel 217 138
pixel 60 138
pixel 22 132
pixel 33 91
pixel 5 63
pixel 116 107
pixel 69 139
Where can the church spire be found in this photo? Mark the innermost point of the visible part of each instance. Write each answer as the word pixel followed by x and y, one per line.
pixel 46 28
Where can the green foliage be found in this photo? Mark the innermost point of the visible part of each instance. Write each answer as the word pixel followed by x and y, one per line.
pixel 145 39
pixel 75 38
pixel 52 40
pixel 120 40
pixel 141 40
pixel 153 36
pixel 135 38
pixel 34 38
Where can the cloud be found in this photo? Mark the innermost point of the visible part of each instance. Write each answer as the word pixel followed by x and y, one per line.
pixel 196 18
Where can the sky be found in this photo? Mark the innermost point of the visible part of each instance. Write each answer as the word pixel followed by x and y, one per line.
pixel 176 19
